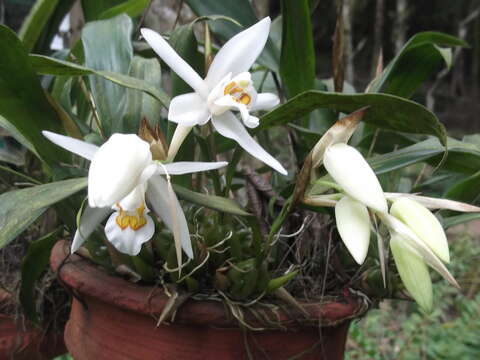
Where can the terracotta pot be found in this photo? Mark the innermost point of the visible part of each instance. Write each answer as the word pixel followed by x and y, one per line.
pixel 115 319
pixel 26 342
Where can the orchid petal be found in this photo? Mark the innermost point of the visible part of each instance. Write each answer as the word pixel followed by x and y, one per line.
pixel 413 272
pixel 411 239
pixel 188 109
pixel 265 101
pixel 251 122
pixel 435 203
pixel 175 62
pixel 351 171
pixel 424 224
pixel 239 53
pixel 228 125
pixel 79 147
pixel 128 241
pixel 160 202
pixel 353 223
pixel 91 218
pixel 188 167
pixel 117 168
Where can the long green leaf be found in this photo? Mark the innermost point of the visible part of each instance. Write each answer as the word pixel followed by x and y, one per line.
pixel 132 8
pixel 466 190
pixel 93 9
pixel 108 47
pixel 385 111
pixel 210 201
pixel 17 135
pixel 297 47
pixel 139 104
pixel 416 62
pixel 462 157
pixel 242 11
pixel 35 22
pixel 19 208
pixel 48 65
pixel 459 219
pixel 23 102
pixel 52 26
pixel 33 265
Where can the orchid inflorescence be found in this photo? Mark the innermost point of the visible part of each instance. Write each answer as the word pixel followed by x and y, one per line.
pixel 125 182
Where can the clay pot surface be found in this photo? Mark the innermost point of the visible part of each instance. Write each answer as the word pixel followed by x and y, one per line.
pixel 112 318
pixel 23 341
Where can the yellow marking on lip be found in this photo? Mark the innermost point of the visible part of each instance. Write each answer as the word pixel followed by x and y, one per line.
pixel 245 99
pixel 229 87
pixel 126 219
pixel 237 93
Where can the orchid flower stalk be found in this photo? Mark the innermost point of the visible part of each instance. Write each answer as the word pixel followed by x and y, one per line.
pixel 228 86
pixel 122 177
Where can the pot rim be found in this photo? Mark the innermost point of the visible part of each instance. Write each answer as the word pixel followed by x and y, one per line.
pixel 91 281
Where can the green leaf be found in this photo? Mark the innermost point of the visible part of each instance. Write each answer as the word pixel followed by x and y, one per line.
pixel 242 11
pixel 210 201
pixel 23 102
pixel 462 156
pixel 17 135
pixel 49 65
pixel 35 22
pixel 141 105
pixel 416 62
pixel 459 219
pixel 108 47
pixel 10 151
pixel 278 282
pixel 51 28
pixel 92 9
pixel 19 208
pixel 466 190
pixel 385 111
pixel 132 8
pixel 297 47
pixel 33 265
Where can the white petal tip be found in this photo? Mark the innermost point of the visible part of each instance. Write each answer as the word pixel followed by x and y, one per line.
pixel 189 253
pixel 146 31
pixel 266 20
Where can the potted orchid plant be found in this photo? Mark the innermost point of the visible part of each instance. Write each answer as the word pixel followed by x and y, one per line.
pixel 243 205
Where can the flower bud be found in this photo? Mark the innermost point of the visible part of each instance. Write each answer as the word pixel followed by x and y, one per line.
pixel 351 171
pixel 424 224
pixel 413 272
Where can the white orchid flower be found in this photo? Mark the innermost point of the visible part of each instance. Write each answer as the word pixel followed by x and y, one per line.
pixel 351 171
pixel 227 86
pixel 121 173
pixel 424 224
